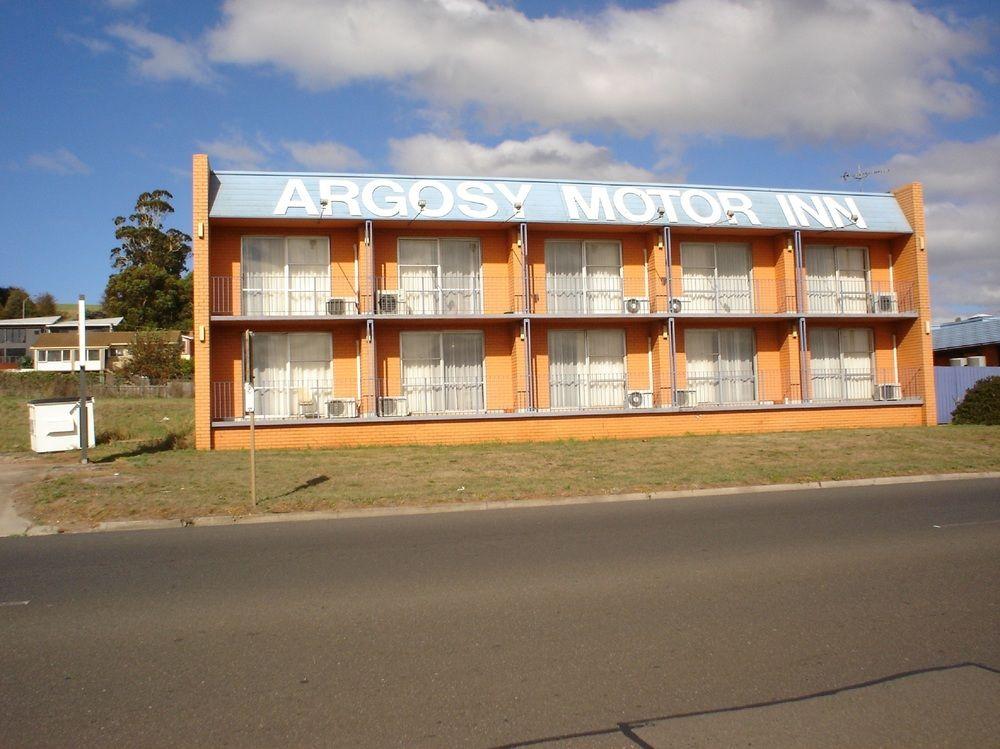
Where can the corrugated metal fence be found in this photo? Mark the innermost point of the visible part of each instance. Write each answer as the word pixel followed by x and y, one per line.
pixel 950 384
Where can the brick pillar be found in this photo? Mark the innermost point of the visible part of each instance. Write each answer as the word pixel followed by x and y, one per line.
pixel 200 172
pixel 915 349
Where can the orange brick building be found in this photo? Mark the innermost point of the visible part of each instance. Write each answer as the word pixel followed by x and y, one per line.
pixel 394 310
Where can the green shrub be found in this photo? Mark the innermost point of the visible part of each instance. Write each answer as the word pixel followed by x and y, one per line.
pixel 981 404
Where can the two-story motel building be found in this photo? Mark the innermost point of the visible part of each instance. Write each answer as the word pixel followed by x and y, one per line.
pixel 392 309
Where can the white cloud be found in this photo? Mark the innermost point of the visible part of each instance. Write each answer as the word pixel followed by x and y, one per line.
pixel 59 161
pixel 235 152
pixel 161 57
pixel 325 156
pixel 830 69
pixel 95 46
pixel 552 155
pixel 961 191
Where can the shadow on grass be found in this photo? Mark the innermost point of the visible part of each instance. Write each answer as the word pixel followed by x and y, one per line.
pixel 314 481
pixel 168 442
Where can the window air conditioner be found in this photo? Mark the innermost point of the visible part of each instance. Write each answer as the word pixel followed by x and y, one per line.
pixel 342 306
pixel 394 406
pixel 885 303
pixel 637 305
pixel 639 399
pixel 388 302
pixel 685 398
pixel 676 305
pixel 888 391
pixel 342 408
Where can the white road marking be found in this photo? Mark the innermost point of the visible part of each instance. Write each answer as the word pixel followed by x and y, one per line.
pixel 974 522
pixel 14 603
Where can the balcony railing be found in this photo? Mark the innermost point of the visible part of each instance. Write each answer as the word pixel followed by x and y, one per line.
pixel 448 294
pixel 727 296
pixel 598 293
pixel 270 295
pixel 841 384
pixel 856 296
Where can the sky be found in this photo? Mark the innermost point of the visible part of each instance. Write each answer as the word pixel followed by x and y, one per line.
pixel 105 99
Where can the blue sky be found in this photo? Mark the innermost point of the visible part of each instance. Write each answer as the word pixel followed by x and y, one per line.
pixel 106 98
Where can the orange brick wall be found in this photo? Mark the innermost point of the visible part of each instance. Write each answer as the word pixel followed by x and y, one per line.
pixel 200 231
pixel 513 429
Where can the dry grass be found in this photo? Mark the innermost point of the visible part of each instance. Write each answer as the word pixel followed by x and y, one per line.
pixel 155 475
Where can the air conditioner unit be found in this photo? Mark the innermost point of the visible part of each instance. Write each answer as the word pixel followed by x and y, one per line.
pixel 389 302
pixel 885 303
pixel 888 391
pixel 394 406
pixel 676 305
pixel 685 398
pixel 346 305
pixel 639 399
pixel 342 408
pixel 637 305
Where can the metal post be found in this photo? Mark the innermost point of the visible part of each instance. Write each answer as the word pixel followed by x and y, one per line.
pixel 522 235
pixel 805 385
pixel 668 261
pixel 81 325
pixel 672 333
pixel 253 459
pixel 250 407
pixel 799 298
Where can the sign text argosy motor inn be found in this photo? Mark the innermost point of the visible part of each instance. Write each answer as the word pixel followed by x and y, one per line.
pixel 274 195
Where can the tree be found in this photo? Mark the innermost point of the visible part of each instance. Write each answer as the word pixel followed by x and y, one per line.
pixel 150 356
pixel 148 297
pixel 143 240
pixel 981 404
pixel 150 289
pixel 44 304
pixel 15 304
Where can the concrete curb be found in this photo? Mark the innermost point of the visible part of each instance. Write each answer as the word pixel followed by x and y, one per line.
pixel 375 512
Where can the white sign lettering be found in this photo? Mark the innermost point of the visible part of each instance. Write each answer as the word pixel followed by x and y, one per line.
pixel 400 198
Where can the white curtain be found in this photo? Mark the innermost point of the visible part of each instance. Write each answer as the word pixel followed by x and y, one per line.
pixel 463 372
pixel 701 349
pixel 825 367
pixel 308 275
pixel 461 290
pixel 606 368
pixel 603 272
pixel 564 280
pixel 263 281
pixel 720 364
pixel 418 276
pixel 698 276
pixel 292 373
pixel 567 368
pixel 733 264
pixel 821 279
pixel 852 270
pixel 857 351
pixel 443 372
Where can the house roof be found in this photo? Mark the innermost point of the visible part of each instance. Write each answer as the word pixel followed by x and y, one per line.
pixel 29 322
pixel 91 322
pixel 101 339
pixel 974 331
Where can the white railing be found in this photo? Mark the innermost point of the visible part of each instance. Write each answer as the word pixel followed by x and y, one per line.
pixel 599 292
pixel 280 295
pixel 725 388
pixel 587 391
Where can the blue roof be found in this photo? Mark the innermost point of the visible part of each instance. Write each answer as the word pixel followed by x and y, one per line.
pixel 975 331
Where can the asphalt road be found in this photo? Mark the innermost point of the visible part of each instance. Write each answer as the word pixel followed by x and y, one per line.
pixel 590 623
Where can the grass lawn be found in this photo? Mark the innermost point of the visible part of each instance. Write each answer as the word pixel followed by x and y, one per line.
pixel 145 468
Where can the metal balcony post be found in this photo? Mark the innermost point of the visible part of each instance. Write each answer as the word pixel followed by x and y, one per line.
pixel 668 260
pixel 522 239
pixel 799 298
pixel 672 335
pixel 805 384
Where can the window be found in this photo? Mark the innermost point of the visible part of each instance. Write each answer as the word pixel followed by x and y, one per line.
pixel 438 276
pixel 443 372
pixel 837 279
pixel 293 373
pixel 286 275
pixel 841 363
pixel 720 364
pixel 587 369
pixel 583 276
pixel 93 354
pixel 716 277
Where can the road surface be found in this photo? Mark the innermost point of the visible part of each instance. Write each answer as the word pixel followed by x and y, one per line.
pixel 590 625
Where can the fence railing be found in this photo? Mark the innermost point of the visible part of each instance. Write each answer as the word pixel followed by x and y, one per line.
pixel 600 292
pixel 856 296
pixel 429 293
pixel 727 296
pixel 844 384
pixel 270 295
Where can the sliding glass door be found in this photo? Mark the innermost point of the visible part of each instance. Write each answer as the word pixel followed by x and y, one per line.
pixel 837 279
pixel 841 366
pixel 716 277
pixel 583 276
pixel 293 374
pixel 586 369
pixel 285 275
pixel 440 276
pixel 443 372
pixel 720 365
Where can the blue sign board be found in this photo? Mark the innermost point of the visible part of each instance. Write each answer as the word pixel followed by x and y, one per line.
pixel 381 197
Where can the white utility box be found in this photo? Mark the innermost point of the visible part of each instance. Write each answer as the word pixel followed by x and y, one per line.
pixel 55 424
